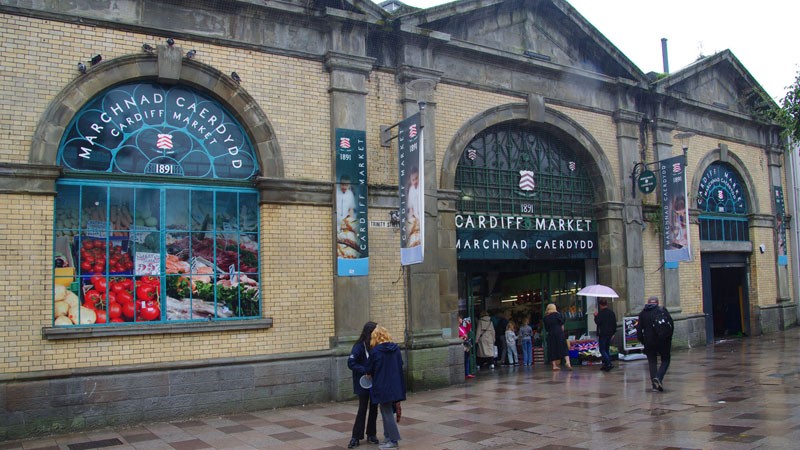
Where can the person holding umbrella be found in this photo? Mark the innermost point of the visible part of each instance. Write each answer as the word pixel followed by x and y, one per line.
pixel 606 322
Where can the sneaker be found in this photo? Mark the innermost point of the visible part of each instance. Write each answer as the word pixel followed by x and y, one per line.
pixel 373 440
pixel 353 443
pixel 389 444
pixel 470 376
pixel 658 385
pixel 491 366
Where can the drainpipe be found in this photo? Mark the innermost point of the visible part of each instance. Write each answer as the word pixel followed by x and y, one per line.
pixel 664 56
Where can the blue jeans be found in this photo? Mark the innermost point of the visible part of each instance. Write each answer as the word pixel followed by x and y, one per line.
pixel 466 363
pixel 390 430
pixel 511 354
pixel 527 352
pixel 604 343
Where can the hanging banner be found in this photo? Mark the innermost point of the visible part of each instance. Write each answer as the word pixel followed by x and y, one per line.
pixel 675 209
pixel 352 248
pixel 411 185
pixel 780 225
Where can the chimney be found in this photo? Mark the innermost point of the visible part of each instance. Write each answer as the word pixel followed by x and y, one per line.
pixel 664 55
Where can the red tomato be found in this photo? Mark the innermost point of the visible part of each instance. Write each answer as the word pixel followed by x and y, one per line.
pixel 98 268
pixel 150 279
pixel 124 297
pixel 146 292
pixel 128 311
pixel 128 283
pixel 99 283
pixel 117 287
pixel 93 297
pixel 114 310
pixel 99 244
pixel 117 320
pixel 101 316
pixel 86 265
pixel 150 312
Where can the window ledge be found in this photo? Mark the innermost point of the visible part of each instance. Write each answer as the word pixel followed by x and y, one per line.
pixel 101 331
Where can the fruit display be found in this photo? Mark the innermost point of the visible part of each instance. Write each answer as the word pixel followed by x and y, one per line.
pixel 95 257
pixel 110 300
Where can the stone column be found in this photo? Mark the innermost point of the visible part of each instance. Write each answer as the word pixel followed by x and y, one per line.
pixel 628 132
pixel 427 350
pixel 662 148
pixel 348 70
pixel 774 158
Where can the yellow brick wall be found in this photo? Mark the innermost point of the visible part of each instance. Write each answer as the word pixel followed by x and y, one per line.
pixel 457 105
pixel 604 130
pixel 386 286
pixel 292 92
pixel 298 296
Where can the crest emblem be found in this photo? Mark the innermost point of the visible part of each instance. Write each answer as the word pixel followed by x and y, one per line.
pixel 344 142
pixel 164 143
pixel 472 154
pixel 526 182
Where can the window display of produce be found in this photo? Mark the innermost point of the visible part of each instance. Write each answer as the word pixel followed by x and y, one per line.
pixel 136 254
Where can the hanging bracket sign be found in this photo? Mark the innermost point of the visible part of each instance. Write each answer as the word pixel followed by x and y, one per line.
pixel 647 182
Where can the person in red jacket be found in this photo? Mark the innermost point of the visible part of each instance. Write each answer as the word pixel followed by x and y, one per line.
pixel 388 382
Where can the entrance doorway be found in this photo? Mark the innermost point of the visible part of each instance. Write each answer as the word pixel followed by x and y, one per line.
pixel 725 300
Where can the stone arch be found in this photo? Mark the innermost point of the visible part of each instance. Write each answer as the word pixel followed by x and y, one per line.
pixel 555 122
pixel 736 162
pixel 53 123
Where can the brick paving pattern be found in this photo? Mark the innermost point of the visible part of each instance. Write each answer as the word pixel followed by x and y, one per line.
pixel 738 394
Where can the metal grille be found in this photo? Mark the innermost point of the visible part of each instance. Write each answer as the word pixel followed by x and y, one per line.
pixel 720 228
pixel 488 175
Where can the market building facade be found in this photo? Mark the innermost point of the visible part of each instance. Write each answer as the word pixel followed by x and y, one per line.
pixel 200 216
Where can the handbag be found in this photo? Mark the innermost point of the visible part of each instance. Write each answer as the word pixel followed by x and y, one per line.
pixel 467 343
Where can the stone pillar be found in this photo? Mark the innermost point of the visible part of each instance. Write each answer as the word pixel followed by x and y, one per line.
pixel 428 365
pixel 348 75
pixel 662 148
pixel 628 132
pixel 775 158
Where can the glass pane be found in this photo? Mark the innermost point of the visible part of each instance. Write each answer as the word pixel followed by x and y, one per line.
pixel 121 211
pixel 147 209
pixel 227 212
pixel 248 254
pixel 248 213
pixel 177 209
pixel 94 203
pixel 202 210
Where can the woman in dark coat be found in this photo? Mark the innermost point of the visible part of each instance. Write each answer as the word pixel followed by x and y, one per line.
pixel 388 382
pixel 357 362
pixel 556 341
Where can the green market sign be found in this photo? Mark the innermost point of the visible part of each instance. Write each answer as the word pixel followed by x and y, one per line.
pixel 524 237
pixel 647 182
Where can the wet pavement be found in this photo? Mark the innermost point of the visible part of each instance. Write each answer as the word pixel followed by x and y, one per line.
pixel 737 394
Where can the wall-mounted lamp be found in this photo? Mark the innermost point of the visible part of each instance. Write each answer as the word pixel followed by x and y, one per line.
pixel 422 104
pixel 684 138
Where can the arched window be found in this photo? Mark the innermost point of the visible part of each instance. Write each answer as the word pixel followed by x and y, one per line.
pixel 156 218
pixel 489 176
pixel 722 204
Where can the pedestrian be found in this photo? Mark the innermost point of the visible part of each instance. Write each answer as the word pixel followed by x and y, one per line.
pixel 358 362
pixel 388 383
pixel 654 330
pixel 606 322
pixel 485 340
pixel 556 341
pixel 511 344
pixel 464 327
pixel 526 340
pixel 500 323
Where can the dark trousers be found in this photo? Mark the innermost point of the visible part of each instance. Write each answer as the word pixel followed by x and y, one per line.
pixel 466 363
pixel 358 427
pixel 604 345
pixel 663 350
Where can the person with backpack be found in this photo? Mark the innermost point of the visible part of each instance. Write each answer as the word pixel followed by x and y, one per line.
pixel 654 329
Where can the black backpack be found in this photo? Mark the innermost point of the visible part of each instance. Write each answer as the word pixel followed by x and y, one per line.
pixel 662 325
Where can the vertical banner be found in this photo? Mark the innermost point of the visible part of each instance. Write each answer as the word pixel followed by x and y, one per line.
pixel 412 198
pixel 675 209
pixel 780 225
pixel 352 249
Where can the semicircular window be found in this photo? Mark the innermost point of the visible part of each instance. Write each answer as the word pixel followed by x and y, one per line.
pixel 157 217
pixel 513 169
pixel 152 129
pixel 723 205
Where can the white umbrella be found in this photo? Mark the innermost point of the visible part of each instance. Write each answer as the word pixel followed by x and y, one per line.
pixel 598 290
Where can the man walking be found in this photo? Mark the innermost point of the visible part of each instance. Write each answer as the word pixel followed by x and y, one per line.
pixel 654 330
pixel 606 322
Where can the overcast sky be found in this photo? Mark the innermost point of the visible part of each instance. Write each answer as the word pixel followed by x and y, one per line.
pixel 761 34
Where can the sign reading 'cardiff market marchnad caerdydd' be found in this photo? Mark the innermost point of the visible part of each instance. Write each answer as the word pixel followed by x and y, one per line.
pixel 524 237
pixel 151 129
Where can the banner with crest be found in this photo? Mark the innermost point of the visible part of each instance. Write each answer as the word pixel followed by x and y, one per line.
pixel 412 188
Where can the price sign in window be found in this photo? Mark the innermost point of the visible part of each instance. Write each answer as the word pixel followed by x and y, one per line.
pixel 148 264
